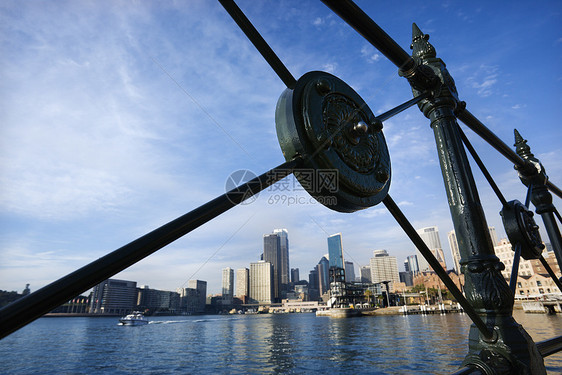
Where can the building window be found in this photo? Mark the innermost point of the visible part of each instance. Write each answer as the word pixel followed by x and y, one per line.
pixel 539 283
pixel 519 284
pixel 541 291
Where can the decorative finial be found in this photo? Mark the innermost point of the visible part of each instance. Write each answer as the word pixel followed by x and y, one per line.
pixel 422 49
pixel 521 146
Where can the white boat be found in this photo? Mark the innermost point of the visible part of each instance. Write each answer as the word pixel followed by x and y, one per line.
pixel 134 319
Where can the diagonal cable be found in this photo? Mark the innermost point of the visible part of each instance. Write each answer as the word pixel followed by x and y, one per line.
pixel 261 45
pixel 482 167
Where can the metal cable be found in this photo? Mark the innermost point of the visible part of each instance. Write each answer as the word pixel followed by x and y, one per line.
pixel 482 167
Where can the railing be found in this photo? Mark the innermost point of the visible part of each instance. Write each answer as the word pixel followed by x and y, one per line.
pixel 305 109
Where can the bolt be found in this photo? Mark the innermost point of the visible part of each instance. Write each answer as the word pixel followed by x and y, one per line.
pixel 323 87
pixel 382 176
pixel 361 126
pixel 377 125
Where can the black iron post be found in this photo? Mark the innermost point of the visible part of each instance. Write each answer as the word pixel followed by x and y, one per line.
pixel 535 178
pixel 510 350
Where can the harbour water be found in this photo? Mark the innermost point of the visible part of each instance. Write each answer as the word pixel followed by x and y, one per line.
pixel 253 344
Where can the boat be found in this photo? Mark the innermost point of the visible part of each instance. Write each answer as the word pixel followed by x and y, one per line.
pixel 134 319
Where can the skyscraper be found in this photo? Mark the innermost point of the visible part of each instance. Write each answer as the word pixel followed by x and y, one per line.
pixel 335 251
pixel 295 275
pixel 242 283
pixel 227 285
pixel 272 254
pixel 284 261
pixel 455 253
pixel 430 235
pixel 193 298
pixel 454 245
pixel 411 264
pixel 323 267
pixel 366 274
pixel 349 272
pixel 384 268
pixel 261 282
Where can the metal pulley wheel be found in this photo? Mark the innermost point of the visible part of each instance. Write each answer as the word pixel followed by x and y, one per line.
pixel 346 160
pixel 521 228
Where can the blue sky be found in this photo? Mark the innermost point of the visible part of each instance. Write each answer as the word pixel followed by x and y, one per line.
pixel 117 117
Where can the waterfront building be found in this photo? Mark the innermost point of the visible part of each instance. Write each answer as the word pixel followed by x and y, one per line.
pixel 430 235
pixel 550 258
pixel 535 286
pixel 384 268
pixel 197 296
pixel 349 272
pixel 193 298
pixel 77 305
pixel 366 274
pixel 431 280
pixel 505 253
pixel 242 283
pixel 272 254
pixel 162 301
pixel 227 285
pixel 115 297
pixel 284 275
pixel 295 275
pixel 261 282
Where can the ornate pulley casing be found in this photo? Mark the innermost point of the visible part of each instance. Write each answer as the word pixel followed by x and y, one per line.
pixel 522 229
pixel 346 162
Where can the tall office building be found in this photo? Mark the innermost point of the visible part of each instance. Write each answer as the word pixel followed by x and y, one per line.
pixel 323 267
pixel 335 251
pixel 430 236
pixel 411 264
pixel 284 261
pixel 313 284
pixel 295 275
pixel 349 272
pixel 193 298
pixel 261 282
pixel 366 274
pixel 114 297
pixel 493 235
pixel 384 268
pixel 200 294
pixel 454 245
pixel 272 254
pixel 227 285
pixel 242 283
pixel 455 253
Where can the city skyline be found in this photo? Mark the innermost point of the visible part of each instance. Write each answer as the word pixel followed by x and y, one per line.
pixel 113 125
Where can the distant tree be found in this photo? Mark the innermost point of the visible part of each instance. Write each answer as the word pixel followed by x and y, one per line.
pixel 8 297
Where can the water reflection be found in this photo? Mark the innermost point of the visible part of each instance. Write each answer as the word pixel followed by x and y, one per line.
pixel 258 344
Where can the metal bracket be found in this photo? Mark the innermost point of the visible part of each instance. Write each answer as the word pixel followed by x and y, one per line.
pixel 345 154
